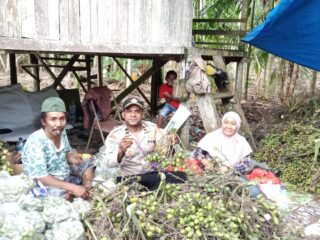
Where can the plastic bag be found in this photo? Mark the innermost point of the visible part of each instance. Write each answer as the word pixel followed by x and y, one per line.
pixel 276 193
pixel 57 209
pixel 68 230
pixel 82 207
pixel 30 203
pixel 18 224
pixel 102 171
pixel 13 187
pixel 179 90
pixel 197 80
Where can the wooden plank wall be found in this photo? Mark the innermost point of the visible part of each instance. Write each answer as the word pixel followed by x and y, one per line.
pixel 91 23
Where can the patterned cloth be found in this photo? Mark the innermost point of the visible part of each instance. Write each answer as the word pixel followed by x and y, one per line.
pixel 133 161
pixel 41 158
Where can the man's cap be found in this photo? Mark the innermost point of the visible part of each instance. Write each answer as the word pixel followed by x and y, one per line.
pixel 132 101
pixel 53 104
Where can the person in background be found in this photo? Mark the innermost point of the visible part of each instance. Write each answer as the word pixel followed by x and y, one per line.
pixel 166 92
pixel 128 145
pixel 47 155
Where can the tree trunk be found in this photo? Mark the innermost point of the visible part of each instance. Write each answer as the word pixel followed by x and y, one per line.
pixel 313 83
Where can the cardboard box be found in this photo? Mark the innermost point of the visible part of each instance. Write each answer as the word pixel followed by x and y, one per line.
pixel 17 168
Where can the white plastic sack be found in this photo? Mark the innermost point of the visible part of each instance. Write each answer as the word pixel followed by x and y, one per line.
pixel 13 187
pixel 276 193
pixel 82 207
pixel 68 230
pixel 30 203
pixel 57 209
pixel 102 171
pixel 19 224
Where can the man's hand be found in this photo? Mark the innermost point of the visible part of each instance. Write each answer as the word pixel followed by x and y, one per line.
pixel 125 143
pixel 80 191
pixel 74 158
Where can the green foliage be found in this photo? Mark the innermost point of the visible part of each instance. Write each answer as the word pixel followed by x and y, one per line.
pixel 290 148
pixel 218 9
pixel 113 71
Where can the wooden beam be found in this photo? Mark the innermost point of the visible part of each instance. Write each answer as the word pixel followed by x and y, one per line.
pixel 62 59
pixel 44 64
pixel 41 65
pixel 139 90
pixel 155 84
pixel 222 95
pixel 65 71
pixel 219 32
pixel 217 20
pixel 30 73
pixel 218 43
pixel 78 68
pixel 13 68
pixel 79 81
pixel 140 80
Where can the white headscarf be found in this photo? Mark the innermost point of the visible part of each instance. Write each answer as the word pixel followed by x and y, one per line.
pixel 235 116
pixel 230 150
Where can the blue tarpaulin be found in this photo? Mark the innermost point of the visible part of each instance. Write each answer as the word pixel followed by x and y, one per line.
pixel 291 31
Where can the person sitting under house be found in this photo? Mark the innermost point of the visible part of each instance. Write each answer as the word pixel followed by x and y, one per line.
pixel 166 92
pixel 47 155
pixel 128 145
pixel 228 147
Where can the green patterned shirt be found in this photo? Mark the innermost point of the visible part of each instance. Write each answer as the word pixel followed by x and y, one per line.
pixel 41 158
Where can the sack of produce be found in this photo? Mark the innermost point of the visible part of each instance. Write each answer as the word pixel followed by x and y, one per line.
pixel 68 230
pixel 13 187
pixel 82 207
pixel 16 224
pixel 30 203
pixel 57 209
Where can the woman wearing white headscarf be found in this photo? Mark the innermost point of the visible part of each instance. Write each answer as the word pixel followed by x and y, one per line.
pixel 225 143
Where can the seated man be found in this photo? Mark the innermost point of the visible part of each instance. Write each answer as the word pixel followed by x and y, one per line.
pixel 128 145
pixel 166 92
pixel 46 155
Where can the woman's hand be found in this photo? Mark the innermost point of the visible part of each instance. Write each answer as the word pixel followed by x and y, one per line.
pixel 223 169
pixel 80 191
pixel 207 164
pixel 172 139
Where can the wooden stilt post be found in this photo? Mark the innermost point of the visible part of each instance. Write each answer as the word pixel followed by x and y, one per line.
pixel 88 69
pixel 100 71
pixel 156 81
pixel 184 132
pixel 239 79
pixel 13 68
pixel 35 72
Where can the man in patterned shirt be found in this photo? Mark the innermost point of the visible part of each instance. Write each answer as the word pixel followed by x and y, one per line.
pixel 46 155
